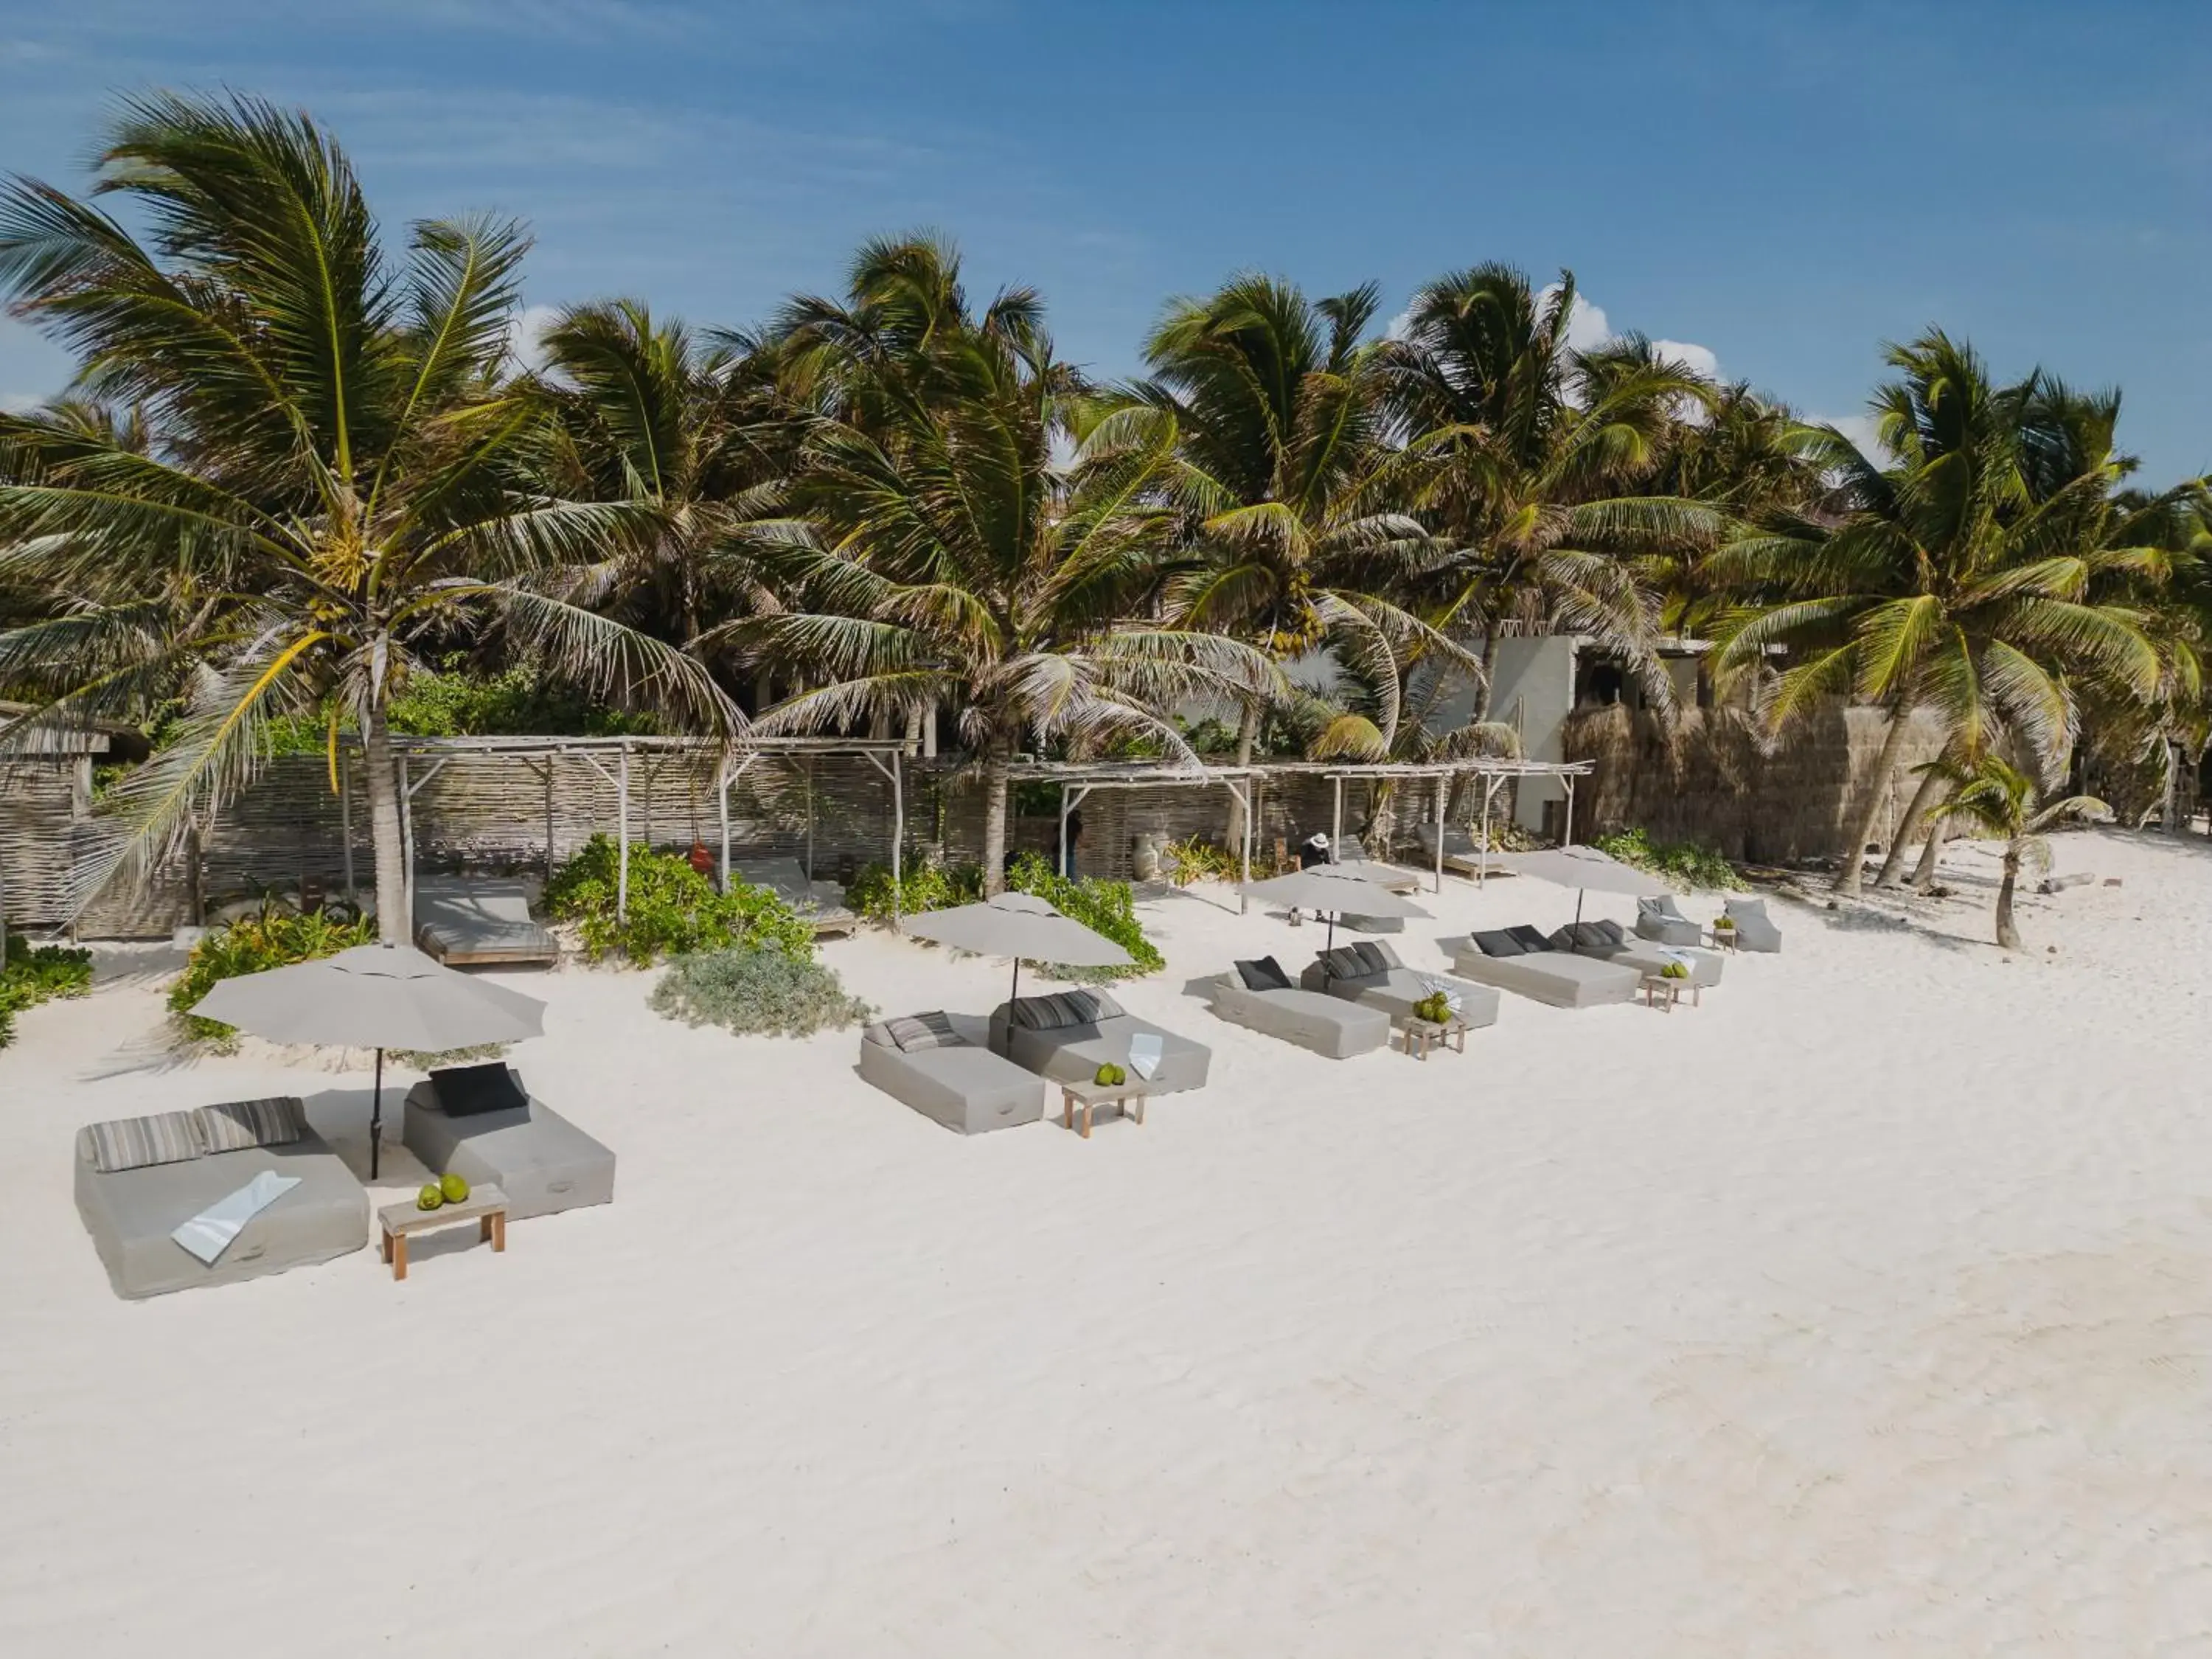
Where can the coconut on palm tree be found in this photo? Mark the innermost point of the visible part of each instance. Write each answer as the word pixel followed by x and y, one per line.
pixel 943 556
pixel 332 474
pixel 1998 797
pixel 1945 581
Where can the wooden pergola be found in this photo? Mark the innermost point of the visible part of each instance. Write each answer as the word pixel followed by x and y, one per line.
pixel 1494 772
pixel 420 759
pixel 1077 780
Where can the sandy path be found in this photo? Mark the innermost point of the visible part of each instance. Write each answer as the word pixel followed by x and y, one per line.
pixel 1862 1312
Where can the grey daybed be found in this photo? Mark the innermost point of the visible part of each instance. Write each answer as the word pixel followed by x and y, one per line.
pixel 820 902
pixel 541 1161
pixel 1753 932
pixel 1068 1036
pixel 943 1066
pixel 1608 941
pixel 1372 974
pixel 131 1208
pixel 1658 921
pixel 1258 995
pixel 464 920
pixel 1460 854
pixel 1521 960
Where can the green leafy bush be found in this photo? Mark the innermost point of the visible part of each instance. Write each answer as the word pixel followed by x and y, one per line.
pixel 462 703
pixel 1199 859
pixel 673 910
pixel 1685 863
pixel 924 887
pixel 274 939
pixel 32 974
pixel 751 990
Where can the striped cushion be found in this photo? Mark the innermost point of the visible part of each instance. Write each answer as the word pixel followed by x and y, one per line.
pixel 236 1125
pixel 1344 963
pixel 929 1030
pixel 1373 958
pixel 133 1143
pixel 1066 1008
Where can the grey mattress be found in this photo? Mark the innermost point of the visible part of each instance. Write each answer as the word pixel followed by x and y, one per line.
pixel 541 1161
pixel 966 1088
pixel 132 1212
pixel 1552 976
pixel 1396 991
pixel 1645 957
pixel 1072 1053
pixel 483 920
pixel 1328 1025
pixel 821 902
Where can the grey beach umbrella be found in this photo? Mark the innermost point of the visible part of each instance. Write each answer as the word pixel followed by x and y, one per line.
pixel 1020 926
pixel 374 996
pixel 1586 870
pixel 1334 890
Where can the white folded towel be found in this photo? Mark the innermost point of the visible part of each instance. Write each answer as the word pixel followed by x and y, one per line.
pixel 211 1232
pixel 1145 1054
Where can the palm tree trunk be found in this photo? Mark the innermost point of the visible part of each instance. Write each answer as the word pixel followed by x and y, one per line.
pixel 1893 863
pixel 995 771
pixel 391 918
pixel 2008 934
pixel 1851 878
pixel 1924 873
pixel 1489 675
pixel 1247 734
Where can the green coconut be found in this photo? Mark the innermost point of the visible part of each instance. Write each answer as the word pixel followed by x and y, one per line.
pixel 1108 1075
pixel 455 1189
pixel 430 1198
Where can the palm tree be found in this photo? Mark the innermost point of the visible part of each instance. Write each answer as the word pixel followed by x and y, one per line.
pixel 331 473
pixel 1945 581
pixel 1278 405
pixel 2002 799
pixel 945 557
pixel 693 430
pixel 1537 465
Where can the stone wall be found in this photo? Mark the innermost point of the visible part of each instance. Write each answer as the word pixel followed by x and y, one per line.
pixel 1710 777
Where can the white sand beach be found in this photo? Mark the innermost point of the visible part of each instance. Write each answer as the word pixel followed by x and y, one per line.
pixel 1866 1309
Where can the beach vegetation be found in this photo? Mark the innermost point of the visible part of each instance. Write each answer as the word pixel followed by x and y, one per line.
pixel 2000 800
pixel 274 938
pixel 755 990
pixel 670 909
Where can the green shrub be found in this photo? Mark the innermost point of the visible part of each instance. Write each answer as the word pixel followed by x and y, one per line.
pixel 463 703
pixel 274 939
pixel 1685 863
pixel 924 887
pixel 751 990
pixel 1104 906
pixel 1200 859
pixel 673 910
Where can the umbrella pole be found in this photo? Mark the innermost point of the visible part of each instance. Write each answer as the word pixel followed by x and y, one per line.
pixel 1014 990
pixel 376 1118
pixel 1578 907
pixel 1331 943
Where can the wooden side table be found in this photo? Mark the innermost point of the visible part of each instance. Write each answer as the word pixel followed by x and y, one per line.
pixel 1087 1097
pixel 485 1206
pixel 1662 993
pixel 1423 1035
pixel 1724 938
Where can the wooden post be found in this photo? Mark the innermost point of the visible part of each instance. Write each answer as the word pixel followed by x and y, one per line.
pixel 551 857
pixel 898 824
pixel 722 811
pixel 1336 819
pixel 621 830
pixel 808 763
pixel 407 850
pixel 1443 788
pixel 1567 829
pixel 1250 799
pixel 1063 829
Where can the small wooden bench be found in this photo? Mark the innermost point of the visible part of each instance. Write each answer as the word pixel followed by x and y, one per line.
pixel 485 1206
pixel 1086 1098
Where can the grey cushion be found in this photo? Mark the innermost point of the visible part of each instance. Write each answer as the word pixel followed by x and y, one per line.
pixel 1344 962
pixel 1074 1053
pixel 1611 931
pixel 132 1212
pixel 235 1125
pixel 914 1032
pixel 1497 942
pixel 540 1160
pixel 1064 1008
pixel 1371 959
pixel 138 1143
pixel 1265 975
pixel 1532 938
pixel 464 1091
pixel 1396 992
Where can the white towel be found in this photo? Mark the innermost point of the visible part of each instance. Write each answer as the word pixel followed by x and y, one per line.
pixel 209 1233
pixel 1145 1052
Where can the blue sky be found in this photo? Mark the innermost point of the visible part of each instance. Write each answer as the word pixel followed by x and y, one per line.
pixel 1782 185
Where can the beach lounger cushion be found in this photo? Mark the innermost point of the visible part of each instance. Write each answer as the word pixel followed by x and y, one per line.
pixel 914 1032
pixel 235 1125
pixel 139 1143
pixel 1064 1008
pixel 541 1161
pixel 1395 990
pixel 465 1091
pixel 1614 933
pixel 1330 1026
pixel 961 1083
pixel 1373 958
pixel 1074 1053
pixel 1532 938
pixel 1657 919
pixel 1265 975
pixel 133 1214
pixel 1753 930
pixel 1557 977
pixel 1499 942
pixel 1344 962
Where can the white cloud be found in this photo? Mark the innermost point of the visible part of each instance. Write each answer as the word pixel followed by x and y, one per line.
pixel 1697 358
pixel 526 336
pixel 1399 325
pixel 1589 328
pixel 19 402
pixel 1862 430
